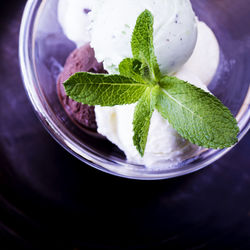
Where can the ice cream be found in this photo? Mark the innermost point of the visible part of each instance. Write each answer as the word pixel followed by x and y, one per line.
pixel 204 61
pixel 81 59
pixel 73 15
pixel 165 148
pixel 175 31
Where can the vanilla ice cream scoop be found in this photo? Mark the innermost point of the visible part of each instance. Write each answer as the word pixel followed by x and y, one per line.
pixel 165 147
pixel 175 31
pixel 73 15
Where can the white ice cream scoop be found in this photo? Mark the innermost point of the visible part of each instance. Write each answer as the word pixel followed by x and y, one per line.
pixel 165 147
pixel 73 15
pixel 175 31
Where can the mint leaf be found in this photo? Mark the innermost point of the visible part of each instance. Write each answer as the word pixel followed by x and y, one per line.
pixel 142 44
pixel 142 116
pixel 103 90
pixel 196 115
pixel 131 68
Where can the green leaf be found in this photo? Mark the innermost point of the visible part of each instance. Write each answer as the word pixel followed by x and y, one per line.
pixel 196 115
pixel 142 44
pixel 131 68
pixel 142 116
pixel 103 90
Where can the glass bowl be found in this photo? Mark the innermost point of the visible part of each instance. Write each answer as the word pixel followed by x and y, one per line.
pixel 44 49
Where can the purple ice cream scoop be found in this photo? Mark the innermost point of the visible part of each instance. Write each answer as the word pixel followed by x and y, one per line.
pixel 80 60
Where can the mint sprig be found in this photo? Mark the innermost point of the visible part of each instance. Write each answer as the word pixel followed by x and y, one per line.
pixel 196 115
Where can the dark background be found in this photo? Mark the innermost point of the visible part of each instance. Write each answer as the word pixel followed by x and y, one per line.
pixel 50 200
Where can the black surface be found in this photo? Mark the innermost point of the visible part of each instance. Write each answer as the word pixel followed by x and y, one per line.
pixel 50 200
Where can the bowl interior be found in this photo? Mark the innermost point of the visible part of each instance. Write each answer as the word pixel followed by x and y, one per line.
pixel 51 47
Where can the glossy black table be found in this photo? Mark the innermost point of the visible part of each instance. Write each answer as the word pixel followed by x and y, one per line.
pixel 50 200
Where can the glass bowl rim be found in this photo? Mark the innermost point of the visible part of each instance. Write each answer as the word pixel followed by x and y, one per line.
pixel 26 54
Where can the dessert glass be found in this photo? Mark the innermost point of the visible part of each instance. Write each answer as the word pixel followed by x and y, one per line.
pixel 43 49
